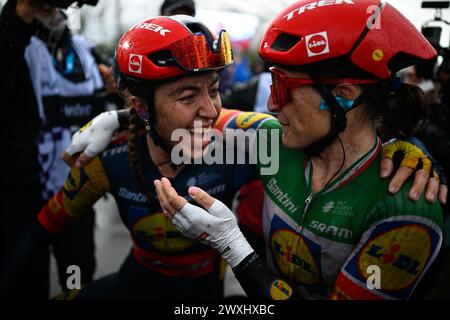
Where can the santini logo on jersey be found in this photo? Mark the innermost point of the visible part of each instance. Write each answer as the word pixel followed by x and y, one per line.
pixel 315 5
pixel 129 195
pixel 281 196
pixel 152 27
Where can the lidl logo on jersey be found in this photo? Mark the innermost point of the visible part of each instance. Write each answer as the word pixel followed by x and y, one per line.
pixel 76 179
pixel 157 231
pixel 401 249
pixel 280 290
pixel 401 253
pixel 295 255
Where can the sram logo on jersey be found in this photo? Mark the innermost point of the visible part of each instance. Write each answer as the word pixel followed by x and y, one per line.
pixel 152 27
pixel 317 44
pixel 331 230
pixel 315 5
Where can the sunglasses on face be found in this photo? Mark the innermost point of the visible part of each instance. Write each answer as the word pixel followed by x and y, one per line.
pixel 283 85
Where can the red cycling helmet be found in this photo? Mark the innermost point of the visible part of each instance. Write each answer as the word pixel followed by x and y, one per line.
pixel 370 35
pixel 166 47
pixel 361 41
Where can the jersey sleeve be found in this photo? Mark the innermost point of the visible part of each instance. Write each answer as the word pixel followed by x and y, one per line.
pixel 82 188
pixel 401 242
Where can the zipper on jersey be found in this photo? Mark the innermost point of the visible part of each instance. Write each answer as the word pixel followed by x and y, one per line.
pixel 308 201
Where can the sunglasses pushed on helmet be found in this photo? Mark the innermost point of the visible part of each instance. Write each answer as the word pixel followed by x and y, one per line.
pixel 197 53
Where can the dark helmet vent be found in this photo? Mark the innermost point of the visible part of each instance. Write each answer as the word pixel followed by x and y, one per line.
pixel 285 42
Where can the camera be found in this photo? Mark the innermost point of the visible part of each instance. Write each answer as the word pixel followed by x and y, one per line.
pixel 432 29
pixel 66 3
pixel 436 4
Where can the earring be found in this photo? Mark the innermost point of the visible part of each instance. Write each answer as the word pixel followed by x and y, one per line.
pixel 147 125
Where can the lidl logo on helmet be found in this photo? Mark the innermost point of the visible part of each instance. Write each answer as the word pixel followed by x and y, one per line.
pixel 135 63
pixel 317 44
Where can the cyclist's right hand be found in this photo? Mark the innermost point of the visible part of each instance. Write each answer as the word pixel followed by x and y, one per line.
pixel 91 139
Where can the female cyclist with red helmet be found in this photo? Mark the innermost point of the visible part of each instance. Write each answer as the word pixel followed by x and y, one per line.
pixel 168 69
pixel 332 230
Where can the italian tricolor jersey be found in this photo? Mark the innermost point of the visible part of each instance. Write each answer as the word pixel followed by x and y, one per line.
pixel 353 239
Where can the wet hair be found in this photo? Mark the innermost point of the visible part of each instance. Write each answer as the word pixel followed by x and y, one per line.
pixel 398 113
pixel 135 126
pixel 143 90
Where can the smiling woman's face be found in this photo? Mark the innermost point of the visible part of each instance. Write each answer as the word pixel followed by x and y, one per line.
pixel 180 104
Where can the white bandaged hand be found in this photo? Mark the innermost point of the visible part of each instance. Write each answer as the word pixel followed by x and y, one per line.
pixel 96 135
pixel 216 226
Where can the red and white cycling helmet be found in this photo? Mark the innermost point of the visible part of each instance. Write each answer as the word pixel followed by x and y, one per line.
pixel 335 41
pixel 165 47
pixel 370 35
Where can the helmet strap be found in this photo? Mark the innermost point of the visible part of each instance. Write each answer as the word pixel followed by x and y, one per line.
pixel 156 137
pixel 338 122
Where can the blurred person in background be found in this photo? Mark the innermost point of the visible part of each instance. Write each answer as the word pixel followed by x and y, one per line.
pixel 173 7
pixel 436 135
pixel 252 95
pixel 53 82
